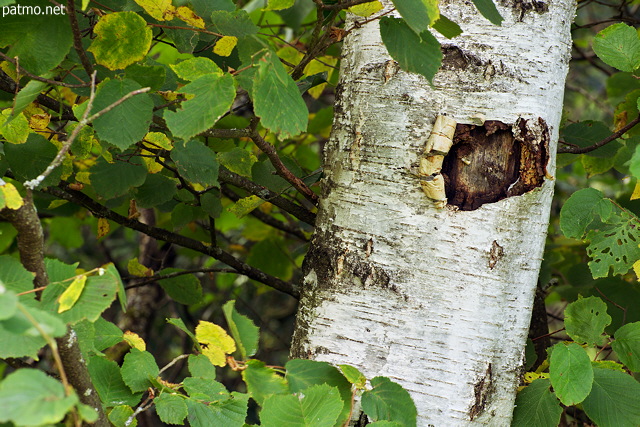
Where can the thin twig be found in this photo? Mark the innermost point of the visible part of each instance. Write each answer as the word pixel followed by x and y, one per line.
pixel 38 78
pixel 610 138
pixel 173 27
pixel 77 37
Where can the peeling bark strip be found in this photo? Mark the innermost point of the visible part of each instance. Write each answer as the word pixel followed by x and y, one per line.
pixel 438 145
pixel 482 390
pixel 494 161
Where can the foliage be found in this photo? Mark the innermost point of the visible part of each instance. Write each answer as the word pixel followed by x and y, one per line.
pixel 199 124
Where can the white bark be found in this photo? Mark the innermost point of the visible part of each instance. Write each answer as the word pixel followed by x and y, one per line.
pixel 438 300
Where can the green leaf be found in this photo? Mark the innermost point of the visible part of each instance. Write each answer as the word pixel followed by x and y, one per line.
pixel 588 132
pixel 156 190
pixel 619 46
pixel 20 337
pixel 120 415
pixel 180 325
pixel 27 94
pixel 268 256
pixel 613 401
pixel 30 159
pixel 111 180
pixel 228 413
pixel 98 295
pixel 201 367
pixel 418 14
pixel 243 330
pixel 317 406
pixel 279 4
pixel 447 27
pixel 171 408
pixel 211 204
pixel 277 100
pixel 627 345
pixel 14 127
pixel 122 39
pixel 136 369
pixel 8 303
pixel 536 406
pixel 302 374
pixel 236 23
pixel 205 389
pixel 127 123
pixel 570 372
pixel 585 320
pixel 196 163
pixel 238 160
pixel 41 41
pixel 107 379
pixel 389 401
pixel 106 334
pixel 30 397
pixel 579 211
pixel 263 382
pixel 419 54
pixel 353 375
pixel 245 206
pixel 488 9
pixel 66 231
pixel 16 278
pixel 193 68
pixel 147 76
pixel 185 289
pixel 213 95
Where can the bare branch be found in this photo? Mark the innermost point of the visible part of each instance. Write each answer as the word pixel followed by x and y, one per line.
pixel 610 138
pixel 77 37
pixel 38 78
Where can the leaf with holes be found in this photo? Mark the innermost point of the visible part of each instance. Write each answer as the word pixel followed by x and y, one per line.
pixel 585 320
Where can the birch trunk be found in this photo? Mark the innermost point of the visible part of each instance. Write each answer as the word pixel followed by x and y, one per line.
pixel 438 300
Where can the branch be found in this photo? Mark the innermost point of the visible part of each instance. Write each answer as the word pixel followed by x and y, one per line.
pixel 81 199
pixel 152 279
pixel 612 137
pixel 32 76
pixel 265 194
pixel 281 169
pixel 77 37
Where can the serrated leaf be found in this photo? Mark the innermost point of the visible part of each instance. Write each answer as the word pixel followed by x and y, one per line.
pixel 8 303
pixel 353 375
pixel 27 94
pixel 10 196
pixel 105 375
pixel 136 369
pixel 579 211
pixel 196 163
pixel 70 296
pixel 613 401
pixel 238 160
pixel 262 381
pixel 586 133
pixel 277 100
pixel 111 180
pixel 30 397
pixel 447 27
pixel 388 401
pixel 41 41
pixel 134 340
pixel 180 325
pixel 488 9
pixel 205 389
pixel 171 408
pixel 570 372
pixel 317 406
pixel 627 345
pixel 279 4
pixel 235 23
pixel 106 334
pixel 30 159
pixel 136 269
pixel 366 9
pixel 215 342
pixel 15 129
pixel 193 68
pixel 162 10
pixel 224 46
pixel 228 413
pixel 184 289
pixel 244 331
pixel 213 96
pixel 418 14
pixel 122 39
pixel 585 320
pixel 245 205
pixel 156 190
pixel 189 16
pixel 119 416
pixel 619 46
pixel 419 54
pixel 201 367
pixel 536 406
pixel 127 123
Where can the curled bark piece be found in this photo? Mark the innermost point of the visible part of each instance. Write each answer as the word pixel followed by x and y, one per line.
pixel 438 145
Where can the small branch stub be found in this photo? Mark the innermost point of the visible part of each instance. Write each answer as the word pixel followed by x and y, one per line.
pixel 438 145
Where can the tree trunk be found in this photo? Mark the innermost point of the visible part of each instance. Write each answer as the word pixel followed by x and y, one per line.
pixel 439 300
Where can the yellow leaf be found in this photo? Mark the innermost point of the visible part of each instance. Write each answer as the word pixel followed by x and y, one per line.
pixel 189 16
pixel 366 9
pixel 71 295
pixel 636 268
pixel 215 342
pixel 136 269
pixel 225 45
pixel 12 198
pixel 636 192
pixel 83 177
pixel 103 227
pixel 315 67
pixel 134 340
pixel 158 140
pixel 162 10
pixel 9 69
pixel 14 129
pixel 56 204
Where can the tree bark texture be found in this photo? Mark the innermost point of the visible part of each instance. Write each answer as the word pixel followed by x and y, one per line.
pixel 439 300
